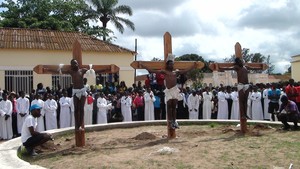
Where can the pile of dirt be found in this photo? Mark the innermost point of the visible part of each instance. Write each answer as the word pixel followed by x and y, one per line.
pixel 145 136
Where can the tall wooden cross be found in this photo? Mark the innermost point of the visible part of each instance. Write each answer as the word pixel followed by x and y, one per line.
pixel 250 66
pixel 54 69
pixel 159 65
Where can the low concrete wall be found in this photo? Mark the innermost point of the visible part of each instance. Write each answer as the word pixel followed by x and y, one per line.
pixel 8 149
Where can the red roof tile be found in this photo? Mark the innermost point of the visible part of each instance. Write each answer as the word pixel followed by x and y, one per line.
pixel 18 38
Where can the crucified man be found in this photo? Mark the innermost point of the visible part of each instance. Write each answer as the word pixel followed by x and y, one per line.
pixel 243 83
pixel 171 91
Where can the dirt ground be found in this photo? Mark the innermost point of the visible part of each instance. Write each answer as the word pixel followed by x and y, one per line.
pixel 211 146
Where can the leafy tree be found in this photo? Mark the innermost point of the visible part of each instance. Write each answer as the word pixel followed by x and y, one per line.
pixel 253 58
pixel 65 15
pixel 107 10
pixel 195 75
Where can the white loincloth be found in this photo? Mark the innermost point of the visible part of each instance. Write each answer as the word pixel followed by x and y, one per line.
pixel 172 93
pixel 79 92
pixel 241 86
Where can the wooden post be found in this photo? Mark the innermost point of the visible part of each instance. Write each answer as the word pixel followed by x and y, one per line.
pixel 158 65
pixel 257 66
pixel 53 69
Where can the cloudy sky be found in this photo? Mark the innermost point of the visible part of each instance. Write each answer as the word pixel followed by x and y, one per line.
pixel 211 28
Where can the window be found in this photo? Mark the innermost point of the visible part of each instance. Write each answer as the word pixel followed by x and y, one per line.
pixel 19 80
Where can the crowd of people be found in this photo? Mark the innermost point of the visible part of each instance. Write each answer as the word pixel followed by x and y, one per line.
pixel 121 103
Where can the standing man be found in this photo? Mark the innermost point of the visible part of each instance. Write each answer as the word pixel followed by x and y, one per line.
pixel 171 91
pixel 22 110
pixel 139 105
pixel 207 105
pixel 126 103
pixel 193 105
pixel 40 120
pixel 14 115
pixel 5 119
pixel 50 106
pixel 149 104
pixel 273 95
pixel 257 110
pixel 29 136
pixel 65 111
pixel 222 104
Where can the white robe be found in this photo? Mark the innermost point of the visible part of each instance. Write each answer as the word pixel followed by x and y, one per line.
pixel 207 105
pixel 102 110
pixel 72 110
pixel 257 112
pixel 126 108
pixel 222 105
pixel 149 106
pixel 6 125
pixel 235 109
pixel 65 112
pixel 193 105
pixel 249 105
pixel 88 113
pixel 40 120
pixel 50 114
pixel 22 107
pixel 266 104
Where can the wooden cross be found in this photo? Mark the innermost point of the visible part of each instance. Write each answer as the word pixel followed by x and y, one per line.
pixel 250 66
pixel 158 65
pixel 55 69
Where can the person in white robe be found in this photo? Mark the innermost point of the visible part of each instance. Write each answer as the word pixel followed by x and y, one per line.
pixel 40 120
pixel 88 110
pixel 50 112
pixel 266 102
pixel 222 104
pixel 22 108
pixel 149 104
pixel 6 118
pixel 65 111
pixel 257 112
pixel 249 104
pixel 235 109
pixel 72 109
pixel 102 109
pixel 207 103
pixel 193 105
pixel 126 103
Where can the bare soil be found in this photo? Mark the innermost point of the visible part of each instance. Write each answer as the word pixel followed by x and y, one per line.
pixel 211 146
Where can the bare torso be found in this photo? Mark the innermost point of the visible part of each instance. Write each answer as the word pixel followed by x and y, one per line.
pixel 170 78
pixel 77 78
pixel 242 74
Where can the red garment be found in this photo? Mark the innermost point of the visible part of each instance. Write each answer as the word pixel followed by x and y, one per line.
pixel 139 101
pixel 291 92
pixel 160 79
pixel 298 97
pixel 90 99
pixel 147 82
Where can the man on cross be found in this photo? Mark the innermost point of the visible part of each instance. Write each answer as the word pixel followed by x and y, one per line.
pixel 171 91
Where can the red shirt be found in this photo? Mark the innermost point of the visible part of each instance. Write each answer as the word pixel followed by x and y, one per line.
pixel 139 101
pixel 291 92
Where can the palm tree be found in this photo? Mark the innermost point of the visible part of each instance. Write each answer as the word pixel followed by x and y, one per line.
pixel 107 10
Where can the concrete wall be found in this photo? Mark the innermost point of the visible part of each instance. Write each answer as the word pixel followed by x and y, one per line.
pixel 14 59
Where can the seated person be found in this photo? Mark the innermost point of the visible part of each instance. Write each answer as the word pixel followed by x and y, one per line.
pixel 290 113
pixel 29 137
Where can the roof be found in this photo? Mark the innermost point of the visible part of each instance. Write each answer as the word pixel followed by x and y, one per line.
pixel 42 39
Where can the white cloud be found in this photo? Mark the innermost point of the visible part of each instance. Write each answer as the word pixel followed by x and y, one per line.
pixel 211 28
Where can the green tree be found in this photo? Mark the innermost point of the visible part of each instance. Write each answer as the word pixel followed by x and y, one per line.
pixel 65 15
pixel 253 58
pixel 195 75
pixel 107 10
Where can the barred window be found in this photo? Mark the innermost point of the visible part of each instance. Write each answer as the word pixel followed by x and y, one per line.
pixel 19 80
pixel 64 80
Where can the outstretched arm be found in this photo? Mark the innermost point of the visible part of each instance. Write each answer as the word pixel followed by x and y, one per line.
pixel 188 69
pixel 150 70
